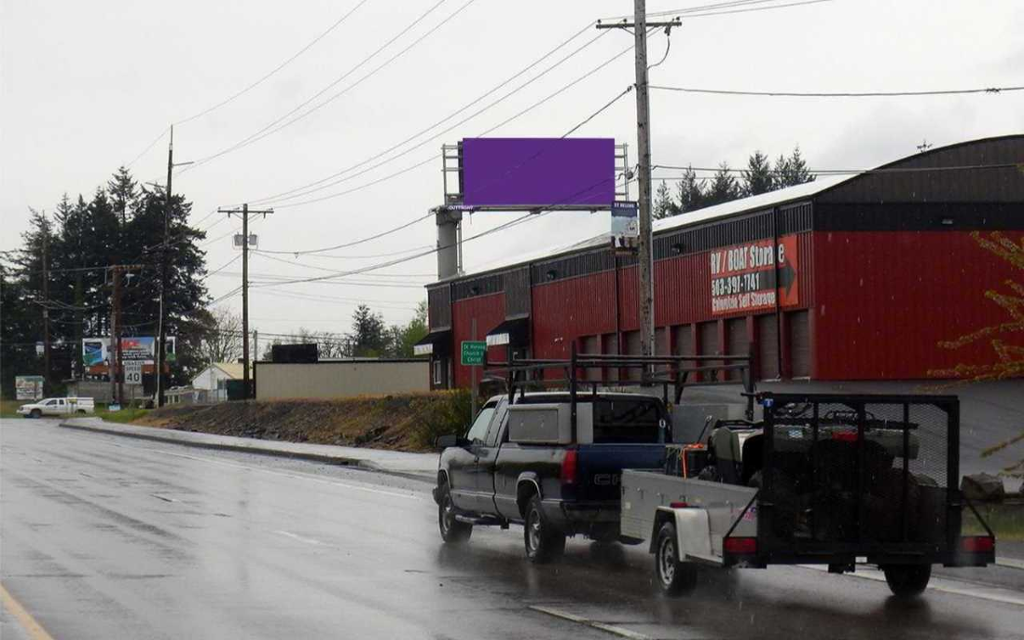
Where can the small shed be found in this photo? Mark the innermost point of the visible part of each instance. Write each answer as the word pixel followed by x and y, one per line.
pixel 213 380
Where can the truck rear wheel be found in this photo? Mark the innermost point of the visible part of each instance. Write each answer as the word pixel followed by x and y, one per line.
pixel 543 542
pixel 452 531
pixel 907 580
pixel 676 578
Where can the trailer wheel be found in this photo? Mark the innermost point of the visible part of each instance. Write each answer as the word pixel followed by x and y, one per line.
pixel 543 542
pixel 907 580
pixel 675 578
pixel 452 531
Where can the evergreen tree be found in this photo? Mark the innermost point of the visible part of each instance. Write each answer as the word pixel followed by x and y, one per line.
pixel 664 206
pixel 793 170
pixel 758 177
pixel 690 192
pixel 124 193
pixel 724 187
pixel 19 330
pixel 368 332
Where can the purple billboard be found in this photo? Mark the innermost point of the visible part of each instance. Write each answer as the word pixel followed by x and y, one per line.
pixel 538 172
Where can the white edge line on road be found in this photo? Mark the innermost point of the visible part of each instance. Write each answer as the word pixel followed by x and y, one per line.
pixel 565 615
pixel 294 536
pixel 335 483
pixel 941 585
pixel 1009 563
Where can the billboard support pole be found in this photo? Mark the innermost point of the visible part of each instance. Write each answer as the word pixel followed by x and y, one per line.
pixel 449 242
pixel 119 355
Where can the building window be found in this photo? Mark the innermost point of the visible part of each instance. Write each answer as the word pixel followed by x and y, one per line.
pixel 439 372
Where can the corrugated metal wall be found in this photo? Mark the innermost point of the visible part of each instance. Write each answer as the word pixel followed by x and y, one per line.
pixel 888 301
pixel 489 312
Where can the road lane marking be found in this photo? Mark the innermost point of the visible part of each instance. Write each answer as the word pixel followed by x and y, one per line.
pixel 608 628
pixel 294 536
pixel 941 585
pixel 335 483
pixel 24 618
pixel 1009 563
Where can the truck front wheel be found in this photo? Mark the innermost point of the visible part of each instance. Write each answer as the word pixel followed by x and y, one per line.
pixel 907 580
pixel 36 414
pixel 543 542
pixel 452 531
pixel 676 578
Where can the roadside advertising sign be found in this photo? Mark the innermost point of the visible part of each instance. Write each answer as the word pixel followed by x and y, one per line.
pixel 743 276
pixel 28 387
pixel 625 220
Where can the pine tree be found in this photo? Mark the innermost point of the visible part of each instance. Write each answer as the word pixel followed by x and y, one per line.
pixel 664 206
pixel 793 170
pixel 124 193
pixel 690 192
pixel 368 332
pixel 724 187
pixel 758 177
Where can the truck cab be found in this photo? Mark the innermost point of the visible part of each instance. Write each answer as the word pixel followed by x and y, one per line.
pixel 554 465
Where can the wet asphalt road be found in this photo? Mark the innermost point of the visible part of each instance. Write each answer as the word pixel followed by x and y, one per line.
pixel 107 537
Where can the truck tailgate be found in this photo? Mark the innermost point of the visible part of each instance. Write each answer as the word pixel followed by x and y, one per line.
pixel 600 467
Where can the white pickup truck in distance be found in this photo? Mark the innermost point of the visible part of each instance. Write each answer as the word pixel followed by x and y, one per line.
pixel 57 407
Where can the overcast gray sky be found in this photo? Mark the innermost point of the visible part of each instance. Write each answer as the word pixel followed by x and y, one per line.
pixel 86 86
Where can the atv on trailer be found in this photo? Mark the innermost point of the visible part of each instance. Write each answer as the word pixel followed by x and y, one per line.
pixel 822 479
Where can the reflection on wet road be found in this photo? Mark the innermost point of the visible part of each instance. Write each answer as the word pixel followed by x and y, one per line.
pixel 118 538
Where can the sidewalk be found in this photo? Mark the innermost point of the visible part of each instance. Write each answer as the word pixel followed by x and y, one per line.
pixel 421 466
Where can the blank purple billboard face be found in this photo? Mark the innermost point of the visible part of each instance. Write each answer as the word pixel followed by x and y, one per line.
pixel 538 172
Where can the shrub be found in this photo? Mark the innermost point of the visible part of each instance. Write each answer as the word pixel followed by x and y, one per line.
pixel 448 413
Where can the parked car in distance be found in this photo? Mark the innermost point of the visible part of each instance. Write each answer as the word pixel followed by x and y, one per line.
pixel 57 407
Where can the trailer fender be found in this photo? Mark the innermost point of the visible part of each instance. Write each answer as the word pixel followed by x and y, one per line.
pixel 693 531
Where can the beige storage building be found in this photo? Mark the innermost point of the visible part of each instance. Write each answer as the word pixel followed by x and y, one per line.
pixel 340 378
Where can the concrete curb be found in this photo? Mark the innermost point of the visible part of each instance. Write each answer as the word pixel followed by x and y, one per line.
pixel 357 463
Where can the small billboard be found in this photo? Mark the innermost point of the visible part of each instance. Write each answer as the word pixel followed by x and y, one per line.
pixel 28 387
pixel 531 173
pixel 96 351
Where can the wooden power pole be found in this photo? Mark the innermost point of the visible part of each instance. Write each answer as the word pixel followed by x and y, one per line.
pixel 244 213
pixel 46 308
pixel 645 258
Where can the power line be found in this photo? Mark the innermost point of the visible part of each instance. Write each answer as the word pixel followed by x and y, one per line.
pixel 224 266
pixel 974 167
pixel 252 86
pixel 504 122
pixel 723 9
pixel 270 127
pixel 272 72
pixel 840 94
pixel 350 244
pixel 438 123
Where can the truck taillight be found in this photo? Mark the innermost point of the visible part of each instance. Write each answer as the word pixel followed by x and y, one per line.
pixel 740 546
pixel 978 544
pixel 568 474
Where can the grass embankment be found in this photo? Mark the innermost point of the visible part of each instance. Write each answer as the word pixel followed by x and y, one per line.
pixel 9 408
pixel 1006 519
pixel 406 422
pixel 126 415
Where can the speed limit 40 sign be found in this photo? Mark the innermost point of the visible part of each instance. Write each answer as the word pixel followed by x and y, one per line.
pixel 133 372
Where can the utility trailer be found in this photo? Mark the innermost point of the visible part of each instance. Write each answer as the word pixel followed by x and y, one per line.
pixel 823 479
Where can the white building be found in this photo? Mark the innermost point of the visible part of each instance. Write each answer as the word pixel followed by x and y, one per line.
pixel 212 381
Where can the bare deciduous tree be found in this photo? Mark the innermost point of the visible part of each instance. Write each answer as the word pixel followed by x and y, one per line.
pixel 222 341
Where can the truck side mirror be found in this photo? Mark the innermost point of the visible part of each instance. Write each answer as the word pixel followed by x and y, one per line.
pixel 451 440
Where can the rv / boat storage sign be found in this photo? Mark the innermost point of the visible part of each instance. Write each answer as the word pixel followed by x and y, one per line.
pixel 744 277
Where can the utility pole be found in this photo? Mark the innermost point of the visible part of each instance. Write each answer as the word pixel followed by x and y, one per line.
pixel 244 214
pixel 645 258
pixel 161 343
pixel 116 381
pixel 46 307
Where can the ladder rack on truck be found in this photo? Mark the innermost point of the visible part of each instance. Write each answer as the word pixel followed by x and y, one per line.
pixel 823 479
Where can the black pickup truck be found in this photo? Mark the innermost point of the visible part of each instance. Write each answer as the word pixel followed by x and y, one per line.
pixel 527 461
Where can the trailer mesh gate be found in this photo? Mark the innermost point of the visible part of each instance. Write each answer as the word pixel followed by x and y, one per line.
pixel 863 475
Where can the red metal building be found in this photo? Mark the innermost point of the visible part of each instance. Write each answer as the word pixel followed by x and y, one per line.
pixel 913 270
